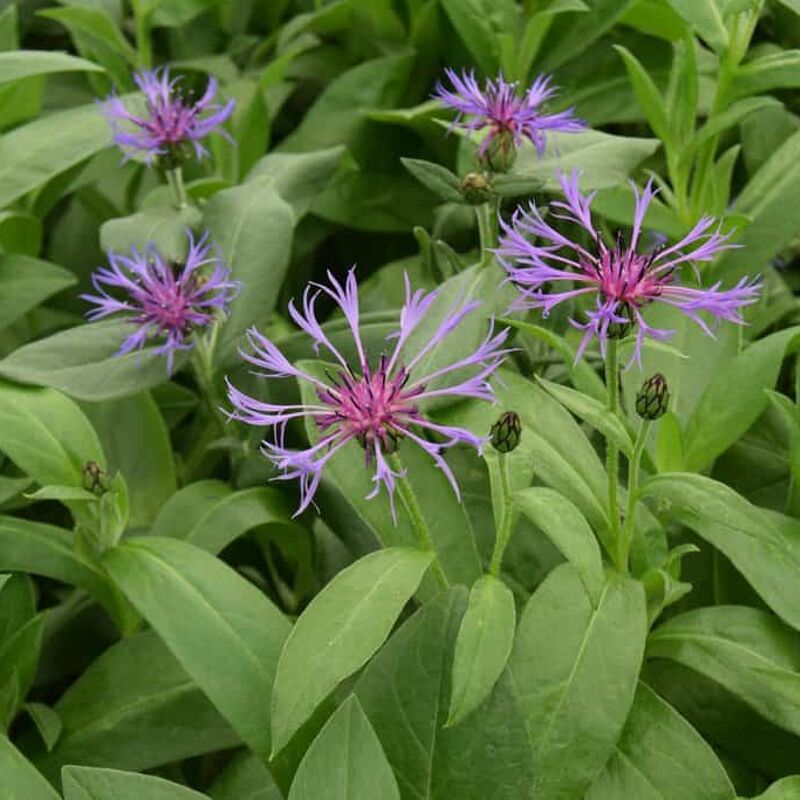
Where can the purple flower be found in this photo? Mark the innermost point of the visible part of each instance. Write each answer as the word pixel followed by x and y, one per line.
pixel 506 114
pixel 376 405
pixel 163 300
pixel 173 121
pixel 622 280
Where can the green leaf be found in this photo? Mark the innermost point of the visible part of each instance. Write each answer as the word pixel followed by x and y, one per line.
pixel 26 283
pixel 62 493
pixel 210 514
pixel 20 233
pixel 574 668
pixel 764 546
pixel 19 658
pixel 47 722
pixel 227 636
pixel 660 756
pixel 130 709
pixel 483 646
pixel 603 160
pixel 648 96
pixel 83 363
pixel 591 411
pixel 746 650
pixel 245 778
pixel 164 227
pixel 785 788
pixel 46 435
pixel 569 531
pixel 96 24
pixel 91 783
pixel 28 158
pixel 136 442
pixel 479 23
pixel 345 761
pixel 779 70
pixel 437 178
pixel 735 398
pixel 253 226
pixel 20 779
pixel 405 692
pixel 706 19
pixel 18 64
pixel 732 115
pixel 338 632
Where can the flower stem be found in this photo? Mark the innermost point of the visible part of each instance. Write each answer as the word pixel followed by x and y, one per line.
pixel 612 453
pixel 203 363
pixel 624 542
pixel 411 505
pixel 175 181
pixel 485 231
pixel 504 528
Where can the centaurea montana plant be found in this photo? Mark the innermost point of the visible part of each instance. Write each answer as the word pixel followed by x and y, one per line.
pixel 164 301
pixel 507 117
pixel 377 404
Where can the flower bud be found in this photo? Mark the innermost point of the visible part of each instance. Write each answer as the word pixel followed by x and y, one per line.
pixel 475 189
pixel 95 479
pixel 652 401
pixel 506 432
pixel 502 152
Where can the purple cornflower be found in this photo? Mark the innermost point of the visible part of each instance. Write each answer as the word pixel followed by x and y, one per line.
pixel 506 114
pixel 163 300
pixel 173 121
pixel 376 405
pixel 622 280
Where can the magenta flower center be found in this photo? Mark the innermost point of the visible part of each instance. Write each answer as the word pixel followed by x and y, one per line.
pixel 374 408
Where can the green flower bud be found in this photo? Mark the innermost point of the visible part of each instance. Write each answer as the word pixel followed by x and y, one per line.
pixel 501 153
pixel 475 189
pixel 652 401
pixel 505 433
pixel 95 479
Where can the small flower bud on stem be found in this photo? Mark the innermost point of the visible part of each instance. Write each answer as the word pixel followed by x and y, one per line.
pixel 652 400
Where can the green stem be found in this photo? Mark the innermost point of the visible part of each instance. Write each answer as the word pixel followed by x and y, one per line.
pixel 485 231
pixel 411 505
pixel 634 467
pixel 175 181
pixel 141 21
pixel 612 453
pixel 203 363
pixel 506 518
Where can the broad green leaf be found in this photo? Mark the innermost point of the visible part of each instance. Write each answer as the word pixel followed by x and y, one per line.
pixel 92 783
pixel 574 669
pixel 648 96
pixel 245 778
pixel 405 692
pixel 767 199
pixel 26 283
pixel 784 789
pixel 28 158
pixel 83 363
pixel 345 761
pixel 339 631
pixel 482 647
pixel 748 651
pixel 17 603
pixel 253 226
pixel 210 514
pixel 20 779
pixel 480 23
pixel 762 545
pixel 18 64
pixel 228 635
pixel 163 227
pixel 779 70
pixel 706 18
pixel 136 442
pixel 46 435
pixel 660 756
pixel 569 531
pixel 94 23
pixel 131 709
pixel 591 411
pixel 445 516
pixel 735 398
pixel 603 160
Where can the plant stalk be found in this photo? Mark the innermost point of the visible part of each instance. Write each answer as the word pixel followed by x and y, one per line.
pixel 612 453
pixel 175 181
pixel 634 467
pixel 504 528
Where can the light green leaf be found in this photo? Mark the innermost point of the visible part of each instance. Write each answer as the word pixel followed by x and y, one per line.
pixel 18 64
pixel 437 178
pixel 245 778
pixel 779 70
pixel 569 531
pixel 785 788
pixel 20 779
pixel 479 23
pixel 338 632
pixel 706 18
pixel 732 115
pixel 47 722
pixel 227 636
pixel 575 668
pixel 26 283
pixel 96 24
pixel 345 761
pixel 660 756
pixel 92 783
pixel 482 647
